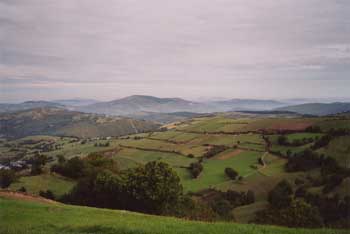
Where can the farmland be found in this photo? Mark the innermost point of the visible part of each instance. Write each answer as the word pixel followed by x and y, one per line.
pixel 250 146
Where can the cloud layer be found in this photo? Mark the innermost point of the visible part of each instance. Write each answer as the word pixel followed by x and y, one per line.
pixel 190 48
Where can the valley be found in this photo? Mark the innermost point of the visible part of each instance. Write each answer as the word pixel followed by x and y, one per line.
pixel 252 145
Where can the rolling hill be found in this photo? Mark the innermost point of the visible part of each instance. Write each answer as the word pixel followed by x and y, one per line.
pixel 319 109
pixel 25 214
pixel 248 104
pixel 12 107
pixel 137 104
pixel 75 102
pixel 61 122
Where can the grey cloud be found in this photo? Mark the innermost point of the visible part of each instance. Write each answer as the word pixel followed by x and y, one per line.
pixel 153 46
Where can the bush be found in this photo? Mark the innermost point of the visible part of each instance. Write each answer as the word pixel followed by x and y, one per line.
pixel 22 189
pixel 231 173
pixel 190 155
pixel 195 168
pixel 47 194
pixel 214 150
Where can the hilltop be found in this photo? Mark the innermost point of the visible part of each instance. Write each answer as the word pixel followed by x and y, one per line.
pixel 12 107
pixel 133 105
pixel 318 109
pixel 61 122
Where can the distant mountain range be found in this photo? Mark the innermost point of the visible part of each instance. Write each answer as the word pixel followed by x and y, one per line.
pixel 168 109
pixel 75 102
pixel 133 105
pixel 9 107
pixel 137 104
pixel 319 109
pixel 61 122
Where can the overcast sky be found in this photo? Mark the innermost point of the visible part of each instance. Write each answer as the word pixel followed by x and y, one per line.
pixel 52 49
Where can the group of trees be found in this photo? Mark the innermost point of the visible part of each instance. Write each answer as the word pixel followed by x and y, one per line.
pixel 305 161
pixel 38 161
pixel 102 144
pixel 76 167
pixel 7 177
pixel 300 208
pixel 286 210
pixel 283 140
pixel 153 188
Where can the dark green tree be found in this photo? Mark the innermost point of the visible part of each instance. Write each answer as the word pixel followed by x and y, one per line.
pixel 7 177
pixel 155 188
pixel 281 195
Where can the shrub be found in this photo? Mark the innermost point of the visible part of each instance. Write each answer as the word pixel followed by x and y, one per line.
pixel 190 155
pixel 47 194
pixel 22 189
pixel 231 173
pixel 195 168
pixel 214 150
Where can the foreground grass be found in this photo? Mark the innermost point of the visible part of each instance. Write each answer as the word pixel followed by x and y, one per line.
pixel 17 217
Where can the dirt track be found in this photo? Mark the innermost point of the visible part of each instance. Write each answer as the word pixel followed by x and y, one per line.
pixel 25 197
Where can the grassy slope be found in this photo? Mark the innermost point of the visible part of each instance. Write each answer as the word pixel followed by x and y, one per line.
pixel 17 217
pixel 57 184
pixel 213 170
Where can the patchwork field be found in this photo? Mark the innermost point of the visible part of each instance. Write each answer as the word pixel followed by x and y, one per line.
pixel 250 146
pixel 178 147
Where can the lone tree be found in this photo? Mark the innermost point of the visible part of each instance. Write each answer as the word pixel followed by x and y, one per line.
pixel 230 172
pixel 195 168
pixel 155 188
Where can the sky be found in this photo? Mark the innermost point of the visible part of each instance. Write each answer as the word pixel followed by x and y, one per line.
pixel 109 49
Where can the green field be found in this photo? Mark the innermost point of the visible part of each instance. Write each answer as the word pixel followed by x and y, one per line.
pixel 328 124
pixel 301 136
pixel 24 217
pixel 141 157
pixel 57 184
pixel 213 170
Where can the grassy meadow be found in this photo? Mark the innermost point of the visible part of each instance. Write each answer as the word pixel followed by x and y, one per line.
pixel 31 217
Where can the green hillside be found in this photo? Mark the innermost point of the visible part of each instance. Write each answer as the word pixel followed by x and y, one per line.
pixel 61 122
pixel 31 217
